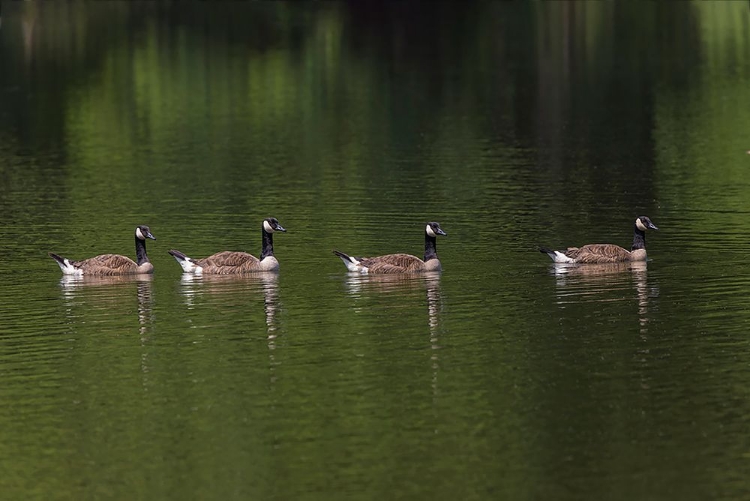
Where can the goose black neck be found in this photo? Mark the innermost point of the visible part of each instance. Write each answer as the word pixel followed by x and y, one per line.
pixel 430 247
pixel 639 239
pixel 140 251
pixel 267 244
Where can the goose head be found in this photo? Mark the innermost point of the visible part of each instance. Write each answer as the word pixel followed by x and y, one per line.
pixel 271 224
pixel 433 229
pixel 643 223
pixel 143 232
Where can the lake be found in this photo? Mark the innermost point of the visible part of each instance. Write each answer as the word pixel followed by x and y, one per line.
pixel 515 125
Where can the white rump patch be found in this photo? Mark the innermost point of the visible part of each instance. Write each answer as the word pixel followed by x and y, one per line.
pixel 560 257
pixel 267 227
pixel 430 232
pixel 188 266
pixel 353 265
pixel 139 235
pixel 640 225
pixel 68 269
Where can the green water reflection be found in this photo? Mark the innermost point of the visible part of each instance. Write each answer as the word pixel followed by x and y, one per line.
pixel 506 377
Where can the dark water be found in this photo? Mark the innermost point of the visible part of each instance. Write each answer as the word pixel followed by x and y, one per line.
pixel 512 124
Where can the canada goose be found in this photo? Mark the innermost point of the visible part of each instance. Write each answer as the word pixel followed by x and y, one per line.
pixel 399 263
pixel 606 253
pixel 111 264
pixel 229 262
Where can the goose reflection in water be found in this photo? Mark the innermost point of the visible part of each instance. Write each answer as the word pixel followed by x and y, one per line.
pixel 358 285
pixel 593 281
pixel 108 293
pixel 195 287
pixel 111 290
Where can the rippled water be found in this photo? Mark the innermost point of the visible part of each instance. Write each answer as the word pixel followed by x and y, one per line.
pixel 506 376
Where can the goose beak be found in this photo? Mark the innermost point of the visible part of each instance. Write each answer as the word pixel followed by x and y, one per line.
pixel 279 228
pixel 652 226
pixel 149 235
pixel 441 232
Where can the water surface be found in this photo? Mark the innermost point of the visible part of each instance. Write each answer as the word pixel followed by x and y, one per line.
pixel 505 377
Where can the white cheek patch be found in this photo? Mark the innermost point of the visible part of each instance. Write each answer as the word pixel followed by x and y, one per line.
pixel 267 227
pixel 139 235
pixel 639 224
pixel 430 232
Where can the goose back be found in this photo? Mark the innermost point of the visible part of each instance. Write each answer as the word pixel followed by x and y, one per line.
pixel 112 264
pixel 399 263
pixel 234 262
pixel 599 253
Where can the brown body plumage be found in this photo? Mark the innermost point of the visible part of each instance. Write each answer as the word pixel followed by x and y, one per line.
pixel 234 262
pixel 230 263
pixel 606 253
pixel 111 264
pixel 603 253
pixel 399 263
